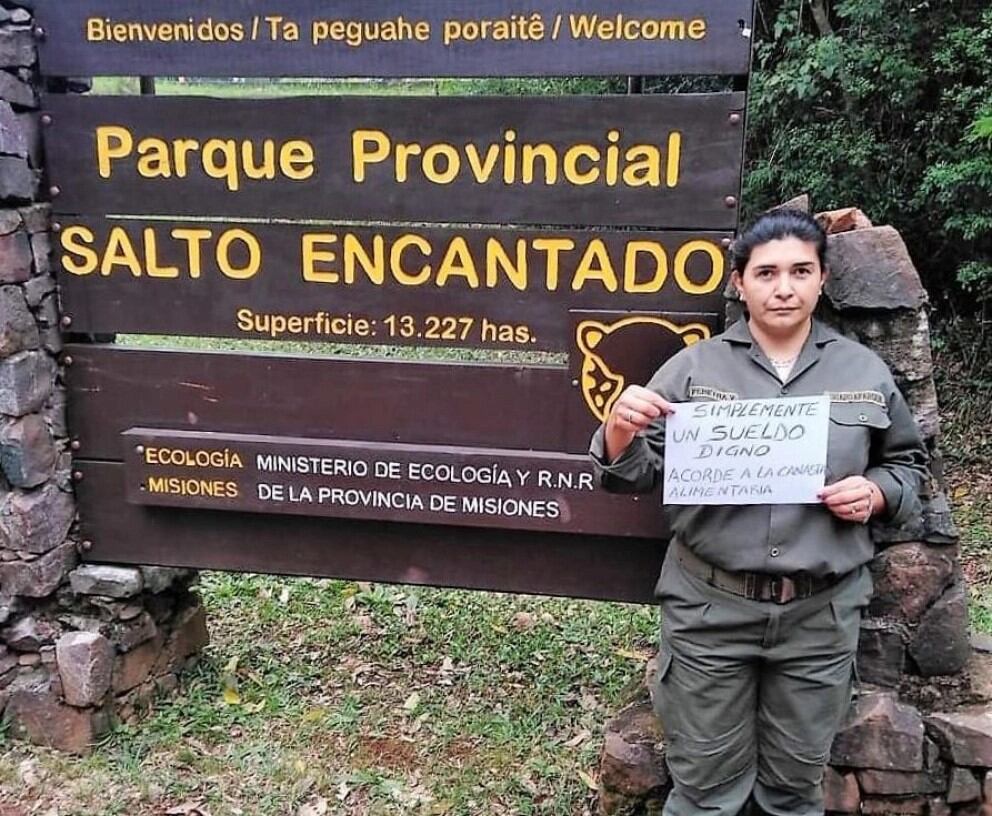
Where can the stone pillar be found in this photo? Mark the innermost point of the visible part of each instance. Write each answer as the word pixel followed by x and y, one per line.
pixel 79 644
pixel 918 738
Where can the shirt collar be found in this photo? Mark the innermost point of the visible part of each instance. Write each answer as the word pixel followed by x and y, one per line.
pixel 740 334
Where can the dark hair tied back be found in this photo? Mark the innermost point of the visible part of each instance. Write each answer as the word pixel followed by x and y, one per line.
pixel 775 225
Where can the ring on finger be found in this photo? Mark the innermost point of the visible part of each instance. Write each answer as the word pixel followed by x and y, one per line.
pixel 630 417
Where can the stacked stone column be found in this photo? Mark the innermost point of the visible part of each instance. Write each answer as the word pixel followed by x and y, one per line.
pixel 80 645
pixel 918 737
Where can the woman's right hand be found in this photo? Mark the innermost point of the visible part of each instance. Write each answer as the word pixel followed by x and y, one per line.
pixel 635 409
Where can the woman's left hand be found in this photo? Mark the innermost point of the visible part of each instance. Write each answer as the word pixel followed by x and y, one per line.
pixel 853 499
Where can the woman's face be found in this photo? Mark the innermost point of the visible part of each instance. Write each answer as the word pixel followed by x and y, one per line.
pixel 780 285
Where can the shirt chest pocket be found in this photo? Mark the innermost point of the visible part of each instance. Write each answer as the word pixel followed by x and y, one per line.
pixel 852 425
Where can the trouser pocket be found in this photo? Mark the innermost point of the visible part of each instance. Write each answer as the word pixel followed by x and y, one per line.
pixel 708 743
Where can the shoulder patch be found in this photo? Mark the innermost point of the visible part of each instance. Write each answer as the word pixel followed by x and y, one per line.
pixel 705 392
pixel 874 397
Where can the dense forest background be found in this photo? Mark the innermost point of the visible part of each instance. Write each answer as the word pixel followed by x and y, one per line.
pixel 885 105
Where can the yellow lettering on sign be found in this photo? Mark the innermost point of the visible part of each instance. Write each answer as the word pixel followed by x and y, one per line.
pixel 81 259
pixel 595 265
pixel 572 157
pixel 373 266
pixel 497 259
pixel 312 255
pixel 112 142
pixel 120 252
pixel 553 247
pixel 224 159
pixel 396 260
pixel 716 268
pixel 458 262
pixel 367 147
pixel 254 250
pixel 151 258
pixel 657 280
pixel 194 239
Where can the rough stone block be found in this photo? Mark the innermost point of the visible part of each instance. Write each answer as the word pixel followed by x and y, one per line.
pixel 188 637
pixel 27 451
pixel 85 661
pixel 36 521
pixel 41 251
pixel 37 217
pixel 840 792
pixel 18 331
pixel 844 220
pixel 908 579
pixel 987 787
pixel 111 582
pixel 965 737
pixel 632 771
pixel 963 787
pixel 799 202
pixel 126 635
pixel 29 634
pixel 871 269
pixel 902 783
pixel 17 48
pixel 881 733
pixel 135 667
pixel 18 181
pixel 17 92
pixel 881 652
pixel 940 644
pixel 38 578
pixel 52 341
pixel 911 806
pixel 47 313
pixel 38 716
pixel 13 139
pixel 26 380
pixel 10 221
pixel 55 413
pixel 15 257
pixel 938 807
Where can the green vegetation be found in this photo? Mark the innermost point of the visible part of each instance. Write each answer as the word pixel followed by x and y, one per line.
pixel 371 699
pixel 884 105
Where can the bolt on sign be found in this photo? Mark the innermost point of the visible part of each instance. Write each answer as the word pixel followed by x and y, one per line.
pixel 593 228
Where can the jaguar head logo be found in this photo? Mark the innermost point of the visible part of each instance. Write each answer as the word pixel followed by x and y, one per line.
pixel 626 351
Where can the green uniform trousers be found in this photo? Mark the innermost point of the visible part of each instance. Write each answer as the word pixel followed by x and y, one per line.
pixel 751 693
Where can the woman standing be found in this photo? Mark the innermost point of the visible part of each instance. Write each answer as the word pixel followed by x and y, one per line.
pixel 761 604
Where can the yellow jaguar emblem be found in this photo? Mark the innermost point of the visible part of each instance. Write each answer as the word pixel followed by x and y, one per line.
pixel 602 376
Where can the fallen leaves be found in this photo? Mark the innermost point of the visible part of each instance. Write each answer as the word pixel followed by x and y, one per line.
pixel 191 808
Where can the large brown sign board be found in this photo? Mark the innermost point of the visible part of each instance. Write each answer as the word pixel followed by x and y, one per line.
pixel 595 160
pixel 494 288
pixel 594 227
pixel 394 38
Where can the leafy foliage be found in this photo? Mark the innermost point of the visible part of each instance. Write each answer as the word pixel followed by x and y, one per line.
pixel 886 105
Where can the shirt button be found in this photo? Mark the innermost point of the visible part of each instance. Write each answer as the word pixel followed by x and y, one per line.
pixel 774 552
pixel 785 390
pixel 862 417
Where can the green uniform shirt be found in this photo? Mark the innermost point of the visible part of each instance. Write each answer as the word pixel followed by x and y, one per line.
pixel 872 433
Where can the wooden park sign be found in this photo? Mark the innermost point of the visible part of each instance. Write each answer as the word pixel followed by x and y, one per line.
pixel 395 38
pixel 593 228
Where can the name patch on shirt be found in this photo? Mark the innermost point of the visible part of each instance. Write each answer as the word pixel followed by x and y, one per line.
pixel 705 392
pixel 874 397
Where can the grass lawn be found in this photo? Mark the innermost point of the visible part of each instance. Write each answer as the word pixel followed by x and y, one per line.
pixel 323 696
